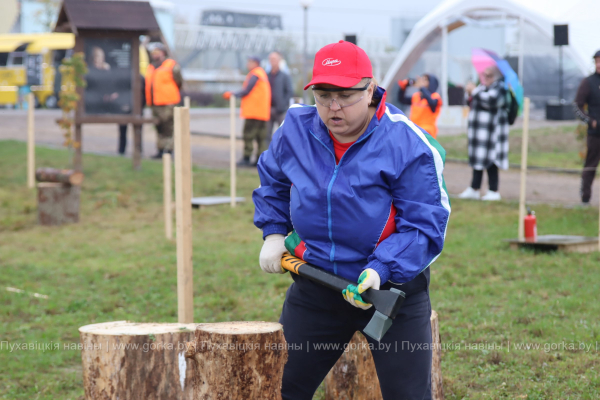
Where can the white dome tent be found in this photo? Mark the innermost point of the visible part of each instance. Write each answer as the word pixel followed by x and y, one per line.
pixel 453 14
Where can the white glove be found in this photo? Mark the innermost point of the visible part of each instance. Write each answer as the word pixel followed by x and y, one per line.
pixel 271 252
pixel 369 278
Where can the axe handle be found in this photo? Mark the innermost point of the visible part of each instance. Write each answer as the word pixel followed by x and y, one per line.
pixel 337 283
pixel 387 302
pixel 300 267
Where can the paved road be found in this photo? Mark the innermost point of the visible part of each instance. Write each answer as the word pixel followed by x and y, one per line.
pixel 103 138
pixel 213 151
pixel 542 187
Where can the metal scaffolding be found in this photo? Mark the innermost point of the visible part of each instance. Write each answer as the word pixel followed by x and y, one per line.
pixel 202 38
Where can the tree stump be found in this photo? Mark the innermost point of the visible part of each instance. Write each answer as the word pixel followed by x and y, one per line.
pixel 131 361
pixel 354 376
pixel 238 360
pixel 58 203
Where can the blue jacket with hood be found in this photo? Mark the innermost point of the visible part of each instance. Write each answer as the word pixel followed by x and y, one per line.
pixel 340 210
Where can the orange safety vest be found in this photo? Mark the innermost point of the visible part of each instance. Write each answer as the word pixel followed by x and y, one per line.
pixel 257 103
pixel 161 89
pixel 421 115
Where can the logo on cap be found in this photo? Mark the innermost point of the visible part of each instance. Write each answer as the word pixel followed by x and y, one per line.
pixel 331 62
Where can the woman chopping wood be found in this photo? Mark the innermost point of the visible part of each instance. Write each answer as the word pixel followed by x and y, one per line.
pixel 358 190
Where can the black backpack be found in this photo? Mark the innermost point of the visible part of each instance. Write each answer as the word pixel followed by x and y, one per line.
pixel 513 108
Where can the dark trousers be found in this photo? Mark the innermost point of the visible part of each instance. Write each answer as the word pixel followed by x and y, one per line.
pixel 164 127
pixel 254 131
pixel 493 178
pixel 318 323
pixel 591 163
pixel 276 120
pixel 122 138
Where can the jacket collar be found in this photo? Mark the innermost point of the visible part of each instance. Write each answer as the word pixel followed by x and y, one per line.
pixel 322 133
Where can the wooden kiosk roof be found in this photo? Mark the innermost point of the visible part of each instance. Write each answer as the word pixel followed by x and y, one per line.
pixel 131 16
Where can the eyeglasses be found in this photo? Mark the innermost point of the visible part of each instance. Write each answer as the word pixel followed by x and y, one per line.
pixel 343 97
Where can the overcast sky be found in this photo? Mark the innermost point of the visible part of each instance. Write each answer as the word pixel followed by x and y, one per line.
pixel 367 17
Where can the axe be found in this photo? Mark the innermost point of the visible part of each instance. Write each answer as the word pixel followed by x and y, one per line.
pixel 386 302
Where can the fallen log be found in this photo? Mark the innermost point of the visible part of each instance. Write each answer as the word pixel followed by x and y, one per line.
pixel 55 175
pixel 131 361
pixel 238 360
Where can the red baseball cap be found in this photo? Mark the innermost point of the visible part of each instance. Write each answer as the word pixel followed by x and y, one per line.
pixel 341 64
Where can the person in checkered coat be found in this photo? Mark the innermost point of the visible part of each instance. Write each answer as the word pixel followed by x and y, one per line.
pixel 487 133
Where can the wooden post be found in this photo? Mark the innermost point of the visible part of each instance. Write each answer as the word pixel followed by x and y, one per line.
pixel 238 360
pixel 183 213
pixel 354 376
pixel 232 160
pixel 187 104
pixel 137 146
pixel 77 157
pixel 167 201
pixel 437 387
pixel 129 361
pixel 30 141
pixel 524 145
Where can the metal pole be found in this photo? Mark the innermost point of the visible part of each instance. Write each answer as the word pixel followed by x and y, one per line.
pixel 444 80
pixel 560 73
pixel 305 55
pixel 521 48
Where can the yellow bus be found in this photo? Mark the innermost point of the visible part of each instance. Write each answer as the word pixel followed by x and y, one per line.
pixel 32 60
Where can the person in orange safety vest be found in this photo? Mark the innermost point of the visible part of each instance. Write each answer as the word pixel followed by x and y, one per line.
pixel 425 104
pixel 163 84
pixel 255 109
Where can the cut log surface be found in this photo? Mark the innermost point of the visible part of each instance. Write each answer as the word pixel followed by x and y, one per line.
pixel 238 360
pixel 67 176
pixel 354 376
pixel 130 361
pixel 58 203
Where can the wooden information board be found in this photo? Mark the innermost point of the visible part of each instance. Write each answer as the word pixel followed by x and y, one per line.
pixel 108 34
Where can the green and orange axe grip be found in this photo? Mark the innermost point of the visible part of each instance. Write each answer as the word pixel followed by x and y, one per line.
pixel 386 302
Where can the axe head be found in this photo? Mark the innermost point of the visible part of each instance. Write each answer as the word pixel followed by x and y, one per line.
pixel 378 326
pixel 380 322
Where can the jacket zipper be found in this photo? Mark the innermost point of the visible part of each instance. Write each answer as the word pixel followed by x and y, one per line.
pixel 329 187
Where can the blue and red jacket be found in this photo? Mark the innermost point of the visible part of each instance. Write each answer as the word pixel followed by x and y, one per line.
pixel 340 210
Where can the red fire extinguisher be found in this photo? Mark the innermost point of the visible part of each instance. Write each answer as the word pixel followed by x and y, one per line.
pixel 530 226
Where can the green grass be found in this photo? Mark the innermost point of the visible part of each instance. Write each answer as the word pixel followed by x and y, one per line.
pixel 116 265
pixel 554 147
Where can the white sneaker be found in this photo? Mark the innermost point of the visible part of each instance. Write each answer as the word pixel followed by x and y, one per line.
pixel 491 196
pixel 469 193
